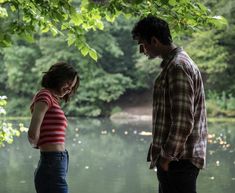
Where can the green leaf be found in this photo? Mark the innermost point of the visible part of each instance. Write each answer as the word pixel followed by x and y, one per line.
pixel 76 19
pixel 65 26
pixel 172 2
pixel 79 44
pixel 218 21
pixel 183 1
pixel 85 51
pixel 202 7
pixel 54 31
pixel 45 29
pixel 28 37
pixel 100 25
pixel 59 16
pixel 3 102
pixel 26 18
pixel 96 15
pixel 192 22
pixel 3 12
pixel 110 18
pixel 93 54
pixel 71 39
pixel 5 40
pixel 13 8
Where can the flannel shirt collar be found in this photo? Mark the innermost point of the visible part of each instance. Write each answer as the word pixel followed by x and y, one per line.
pixel 170 56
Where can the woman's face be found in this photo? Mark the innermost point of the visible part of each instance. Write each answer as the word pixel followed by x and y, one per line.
pixel 67 87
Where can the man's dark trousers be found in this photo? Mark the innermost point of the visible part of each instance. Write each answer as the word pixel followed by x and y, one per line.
pixel 180 178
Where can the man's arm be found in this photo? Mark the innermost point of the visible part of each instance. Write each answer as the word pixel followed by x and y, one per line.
pixel 181 93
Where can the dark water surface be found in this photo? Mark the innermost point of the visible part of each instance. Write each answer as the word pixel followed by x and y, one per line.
pixel 107 157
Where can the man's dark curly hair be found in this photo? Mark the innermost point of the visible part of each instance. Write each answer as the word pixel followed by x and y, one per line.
pixel 152 26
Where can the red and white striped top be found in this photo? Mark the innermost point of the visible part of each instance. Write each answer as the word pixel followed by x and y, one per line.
pixel 54 124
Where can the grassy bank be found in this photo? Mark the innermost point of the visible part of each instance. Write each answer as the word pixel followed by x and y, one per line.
pixel 210 119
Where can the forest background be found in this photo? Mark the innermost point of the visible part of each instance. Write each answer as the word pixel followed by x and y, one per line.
pixel 95 36
pixel 110 67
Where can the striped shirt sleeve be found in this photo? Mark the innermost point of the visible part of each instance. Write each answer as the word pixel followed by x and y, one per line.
pixel 181 94
pixel 44 96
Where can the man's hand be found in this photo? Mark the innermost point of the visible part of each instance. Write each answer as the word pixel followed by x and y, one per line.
pixel 164 164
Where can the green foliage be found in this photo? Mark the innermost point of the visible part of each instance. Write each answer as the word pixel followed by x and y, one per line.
pixel 224 80
pixel 73 19
pixel 25 18
pixel 116 67
pixel 98 87
pixel 184 15
pixel 115 110
pixel 17 60
pixel 146 72
pixel 7 132
pixel 212 51
pixel 206 50
pixel 220 104
pixel 18 105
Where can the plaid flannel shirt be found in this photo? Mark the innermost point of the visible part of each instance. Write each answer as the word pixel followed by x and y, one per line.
pixel 179 113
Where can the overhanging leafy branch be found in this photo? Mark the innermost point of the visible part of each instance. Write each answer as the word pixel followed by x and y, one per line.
pixel 74 19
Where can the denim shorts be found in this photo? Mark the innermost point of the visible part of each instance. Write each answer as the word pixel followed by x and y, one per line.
pixel 50 175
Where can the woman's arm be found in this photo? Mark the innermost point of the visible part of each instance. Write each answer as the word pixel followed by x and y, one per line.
pixel 39 110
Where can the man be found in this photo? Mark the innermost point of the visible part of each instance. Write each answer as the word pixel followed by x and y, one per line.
pixel 179 133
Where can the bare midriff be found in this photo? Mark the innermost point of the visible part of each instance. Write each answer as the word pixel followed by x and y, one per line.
pixel 52 147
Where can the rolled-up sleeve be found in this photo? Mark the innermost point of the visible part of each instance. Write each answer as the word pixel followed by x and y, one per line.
pixel 181 96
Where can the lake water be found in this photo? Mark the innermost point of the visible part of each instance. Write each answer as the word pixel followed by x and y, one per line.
pixel 107 157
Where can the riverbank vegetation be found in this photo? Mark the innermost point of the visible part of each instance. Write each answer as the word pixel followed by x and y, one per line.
pixel 102 49
pixel 7 129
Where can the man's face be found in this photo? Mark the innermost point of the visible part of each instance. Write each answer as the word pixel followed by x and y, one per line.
pixel 151 49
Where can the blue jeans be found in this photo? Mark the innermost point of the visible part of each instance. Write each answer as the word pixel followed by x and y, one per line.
pixel 50 175
pixel 181 177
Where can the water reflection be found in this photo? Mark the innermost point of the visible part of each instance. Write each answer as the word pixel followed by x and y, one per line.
pixel 108 157
pixel 220 173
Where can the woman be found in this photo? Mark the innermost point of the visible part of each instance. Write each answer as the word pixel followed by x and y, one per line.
pixel 48 125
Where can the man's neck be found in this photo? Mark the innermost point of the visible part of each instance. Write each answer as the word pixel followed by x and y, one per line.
pixel 166 50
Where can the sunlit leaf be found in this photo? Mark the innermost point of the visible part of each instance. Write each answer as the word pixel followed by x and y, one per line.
pixel 100 25
pixel 54 31
pixel 3 102
pixel 13 8
pixel 76 19
pixel 172 2
pixel 7 132
pixel 218 21
pixel 63 17
pixel 45 29
pixel 84 51
pixel 71 40
pixel 93 54
pixel 3 12
pixel 110 18
pixel 183 1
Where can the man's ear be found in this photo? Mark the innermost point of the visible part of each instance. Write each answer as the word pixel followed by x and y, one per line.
pixel 154 40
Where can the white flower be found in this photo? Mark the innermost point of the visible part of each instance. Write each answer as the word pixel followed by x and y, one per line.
pixel 3 97
pixel 2 111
